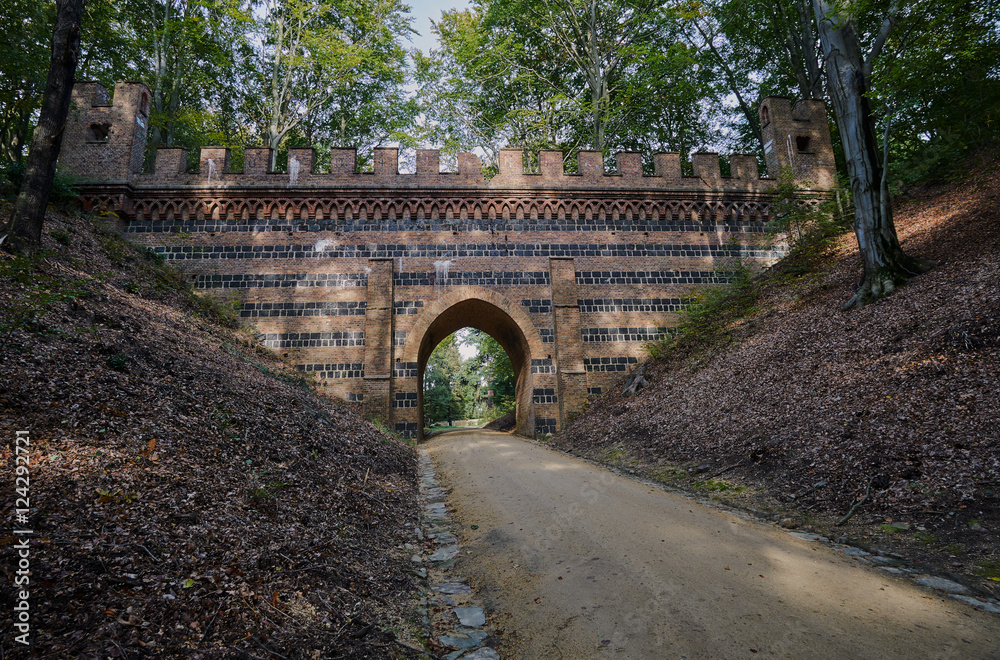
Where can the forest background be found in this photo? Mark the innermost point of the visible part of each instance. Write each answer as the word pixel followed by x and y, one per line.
pixel 915 85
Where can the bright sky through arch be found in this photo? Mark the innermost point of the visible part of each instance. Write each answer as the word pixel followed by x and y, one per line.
pixel 425 11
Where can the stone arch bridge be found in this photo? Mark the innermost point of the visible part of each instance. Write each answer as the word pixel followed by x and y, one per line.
pixel 357 276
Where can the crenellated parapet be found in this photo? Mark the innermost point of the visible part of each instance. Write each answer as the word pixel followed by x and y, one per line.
pixel 105 143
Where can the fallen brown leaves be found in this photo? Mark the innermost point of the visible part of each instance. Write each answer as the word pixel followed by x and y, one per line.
pixel 191 499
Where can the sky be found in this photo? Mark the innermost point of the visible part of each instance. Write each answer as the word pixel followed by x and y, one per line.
pixel 423 11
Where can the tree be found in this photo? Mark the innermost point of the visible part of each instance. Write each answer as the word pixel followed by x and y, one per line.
pixel 758 49
pixel 192 46
pixel 564 74
pixel 849 74
pixel 24 232
pixel 313 50
pixel 26 30
pixel 493 365
pixel 440 382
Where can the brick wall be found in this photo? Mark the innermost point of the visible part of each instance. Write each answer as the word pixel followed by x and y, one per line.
pixel 345 273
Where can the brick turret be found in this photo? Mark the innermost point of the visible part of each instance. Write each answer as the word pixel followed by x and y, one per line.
pixel 105 140
pixel 798 139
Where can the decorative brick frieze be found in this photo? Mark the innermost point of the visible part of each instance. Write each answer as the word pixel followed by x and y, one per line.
pixel 664 216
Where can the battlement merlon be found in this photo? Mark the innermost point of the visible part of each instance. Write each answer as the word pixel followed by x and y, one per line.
pixel 105 143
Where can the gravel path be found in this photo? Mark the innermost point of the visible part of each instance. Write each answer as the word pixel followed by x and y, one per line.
pixel 573 561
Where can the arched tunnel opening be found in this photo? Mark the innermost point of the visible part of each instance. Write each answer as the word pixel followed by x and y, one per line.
pixel 488 318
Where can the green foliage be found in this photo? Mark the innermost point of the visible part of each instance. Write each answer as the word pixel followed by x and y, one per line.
pixel 262 491
pixel 808 223
pixel 332 73
pixel 304 381
pixel 989 569
pixel 717 486
pixel 63 195
pixel 711 314
pixel 519 74
pixel 224 310
pixel 494 372
pixel 938 87
pixel 442 398
pixel 118 361
pixel 60 237
pixel 34 295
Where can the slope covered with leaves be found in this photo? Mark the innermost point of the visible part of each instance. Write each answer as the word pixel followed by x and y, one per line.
pixel 191 496
pixel 809 409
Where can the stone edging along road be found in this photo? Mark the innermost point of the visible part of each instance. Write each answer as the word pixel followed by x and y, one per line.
pixel 449 610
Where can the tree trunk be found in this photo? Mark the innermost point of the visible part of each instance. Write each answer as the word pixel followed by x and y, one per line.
pixel 24 232
pixel 886 266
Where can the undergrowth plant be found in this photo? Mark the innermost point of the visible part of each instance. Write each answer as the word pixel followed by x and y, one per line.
pixel 711 313
pixel 807 223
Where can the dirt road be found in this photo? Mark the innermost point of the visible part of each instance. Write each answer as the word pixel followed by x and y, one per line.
pixel 577 562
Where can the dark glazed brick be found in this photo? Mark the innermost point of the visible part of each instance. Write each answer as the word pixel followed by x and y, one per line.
pixel 545 425
pixel 594 305
pixel 473 278
pixel 542 367
pixel 280 309
pixel 344 370
pixel 404 400
pixel 609 363
pixel 536 306
pixel 463 251
pixel 544 395
pixel 277 281
pixel 313 339
pixel 405 370
pixel 632 277
pixel 621 334
pixel 407 429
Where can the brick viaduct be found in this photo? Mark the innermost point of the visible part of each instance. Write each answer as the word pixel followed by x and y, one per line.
pixel 356 276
